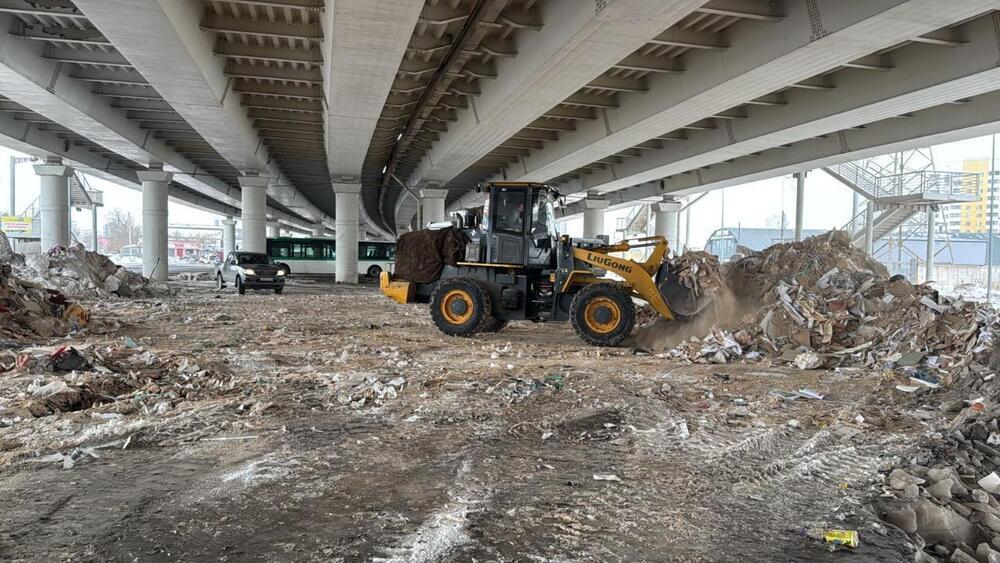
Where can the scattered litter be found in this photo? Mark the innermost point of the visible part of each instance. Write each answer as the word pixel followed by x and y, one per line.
pixel 847 538
pixel 808 360
pixel 606 477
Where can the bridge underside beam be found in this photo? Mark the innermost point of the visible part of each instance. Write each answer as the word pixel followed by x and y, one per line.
pixel 940 124
pixel 31 80
pixel 368 40
pixel 29 139
pixel 923 76
pixel 165 43
pixel 576 46
pixel 761 59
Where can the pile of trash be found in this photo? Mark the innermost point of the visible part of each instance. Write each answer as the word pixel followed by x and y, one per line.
pixel 698 271
pixel 63 404
pixel 28 311
pixel 822 302
pixel 945 498
pixel 79 272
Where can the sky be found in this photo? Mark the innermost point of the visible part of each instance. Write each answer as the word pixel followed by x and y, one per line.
pixel 827 202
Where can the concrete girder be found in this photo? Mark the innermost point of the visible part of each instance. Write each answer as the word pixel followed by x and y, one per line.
pixel 228 24
pixel 195 83
pixel 41 144
pixel 577 46
pixel 27 78
pixel 61 8
pixel 32 140
pixel 932 126
pixel 924 76
pixel 811 38
pixel 366 41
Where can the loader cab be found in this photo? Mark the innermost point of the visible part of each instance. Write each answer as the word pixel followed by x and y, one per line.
pixel 519 224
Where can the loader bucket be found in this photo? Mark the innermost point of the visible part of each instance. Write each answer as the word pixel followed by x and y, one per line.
pixel 681 299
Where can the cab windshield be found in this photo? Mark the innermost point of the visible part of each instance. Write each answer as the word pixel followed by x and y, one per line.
pixel 245 258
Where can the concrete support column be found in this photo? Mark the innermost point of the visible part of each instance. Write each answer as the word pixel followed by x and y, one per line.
pixel 54 203
pixel 432 200
pixel 667 224
pixel 93 222
pixel 273 230
pixel 254 213
pixel 593 216
pixel 228 236
pixel 870 227
pixel 348 196
pixel 154 223
pixel 929 261
pixel 318 230
pixel 800 191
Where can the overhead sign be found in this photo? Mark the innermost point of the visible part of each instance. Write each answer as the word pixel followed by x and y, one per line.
pixel 14 225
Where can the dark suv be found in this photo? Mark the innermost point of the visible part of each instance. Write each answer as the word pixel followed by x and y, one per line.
pixel 250 270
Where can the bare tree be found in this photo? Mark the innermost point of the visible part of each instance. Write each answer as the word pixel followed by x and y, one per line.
pixel 123 229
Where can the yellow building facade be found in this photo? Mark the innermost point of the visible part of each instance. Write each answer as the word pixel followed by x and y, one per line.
pixel 973 214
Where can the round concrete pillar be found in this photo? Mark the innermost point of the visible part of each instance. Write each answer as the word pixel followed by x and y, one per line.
pixel 432 200
pixel 54 203
pixel 154 223
pixel 253 213
pixel 228 236
pixel 667 213
pixel 593 216
pixel 800 201
pixel 273 230
pixel 346 267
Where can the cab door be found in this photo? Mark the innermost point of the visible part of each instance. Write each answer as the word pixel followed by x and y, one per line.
pixel 541 231
pixel 508 223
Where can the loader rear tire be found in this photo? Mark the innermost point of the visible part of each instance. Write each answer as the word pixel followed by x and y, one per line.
pixel 460 307
pixel 602 314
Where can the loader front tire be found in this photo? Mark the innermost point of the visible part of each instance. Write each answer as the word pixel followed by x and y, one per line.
pixel 602 314
pixel 459 307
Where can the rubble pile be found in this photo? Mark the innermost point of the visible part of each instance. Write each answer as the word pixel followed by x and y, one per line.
pixel 800 263
pixel 946 497
pixel 698 271
pixel 823 303
pixel 61 403
pixel 82 273
pixel 28 312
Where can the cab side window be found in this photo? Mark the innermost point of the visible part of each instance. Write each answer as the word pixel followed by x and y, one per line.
pixel 509 210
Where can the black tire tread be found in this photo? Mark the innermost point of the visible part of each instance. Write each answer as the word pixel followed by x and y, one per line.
pixel 624 302
pixel 480 297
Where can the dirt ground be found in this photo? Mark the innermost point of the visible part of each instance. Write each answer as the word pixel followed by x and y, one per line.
pixel 525 445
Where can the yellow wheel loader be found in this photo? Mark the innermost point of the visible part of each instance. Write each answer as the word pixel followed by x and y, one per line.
pixel 517 267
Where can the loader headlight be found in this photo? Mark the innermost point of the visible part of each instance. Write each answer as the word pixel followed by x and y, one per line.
pixel 250 272
pixel 281 272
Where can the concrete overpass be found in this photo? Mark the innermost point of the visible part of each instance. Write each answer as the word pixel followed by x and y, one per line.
pixel 354 115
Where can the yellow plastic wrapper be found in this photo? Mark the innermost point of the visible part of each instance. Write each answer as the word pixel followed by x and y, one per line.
pixel 841 537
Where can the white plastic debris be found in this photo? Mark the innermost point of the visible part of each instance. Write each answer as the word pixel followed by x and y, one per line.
pixel 48 390
pixel 990 483
pixel 808 360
